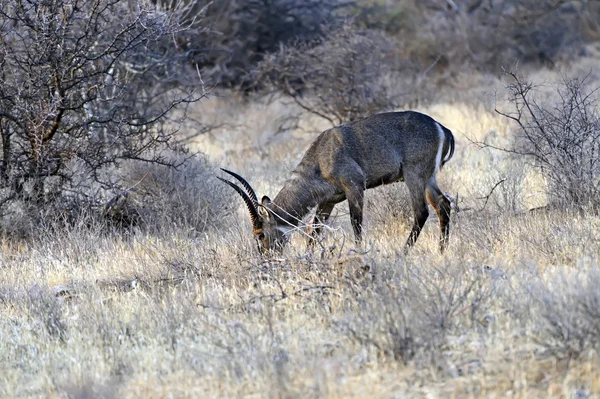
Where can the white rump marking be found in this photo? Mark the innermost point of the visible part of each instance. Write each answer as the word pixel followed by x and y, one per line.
pixel 442 137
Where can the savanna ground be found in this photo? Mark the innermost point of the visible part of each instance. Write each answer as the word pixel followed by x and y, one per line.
pixel 512 308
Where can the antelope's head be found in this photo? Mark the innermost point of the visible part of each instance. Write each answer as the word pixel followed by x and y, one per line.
pixel 266 227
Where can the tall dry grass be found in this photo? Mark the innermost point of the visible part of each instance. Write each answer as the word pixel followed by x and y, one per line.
pixel 511 310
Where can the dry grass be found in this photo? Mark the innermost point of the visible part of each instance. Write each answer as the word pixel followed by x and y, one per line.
pixel 501 314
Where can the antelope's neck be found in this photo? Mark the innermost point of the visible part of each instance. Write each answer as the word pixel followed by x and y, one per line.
pixel 297 197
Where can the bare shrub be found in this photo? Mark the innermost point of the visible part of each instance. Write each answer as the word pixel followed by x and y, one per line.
pixel 561 137
pixel 393 17
pixel 566 312
pixel 344 76
pixel 428 33
pixel 84 86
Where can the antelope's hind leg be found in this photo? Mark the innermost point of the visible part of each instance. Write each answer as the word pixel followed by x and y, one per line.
pixel 441 204
pixel 419 205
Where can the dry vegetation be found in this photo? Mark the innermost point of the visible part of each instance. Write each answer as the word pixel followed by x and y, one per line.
pixel 510 310
pixel 179 304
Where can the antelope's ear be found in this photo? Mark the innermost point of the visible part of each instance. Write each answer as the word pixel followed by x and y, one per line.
pixel 263 210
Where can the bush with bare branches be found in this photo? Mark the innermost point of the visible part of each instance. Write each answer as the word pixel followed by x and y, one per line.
pixel 488 34
pixel 84 86
pixel 561 137
pixel 343 76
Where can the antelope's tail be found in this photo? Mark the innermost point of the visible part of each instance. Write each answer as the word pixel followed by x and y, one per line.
pixel 450 142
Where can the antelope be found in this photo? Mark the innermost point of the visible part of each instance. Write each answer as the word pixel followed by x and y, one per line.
pixel 342 162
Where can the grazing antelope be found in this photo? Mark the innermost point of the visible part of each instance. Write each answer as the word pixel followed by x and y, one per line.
pixel 344 161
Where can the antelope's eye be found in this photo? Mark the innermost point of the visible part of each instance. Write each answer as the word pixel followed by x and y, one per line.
pixel 261 236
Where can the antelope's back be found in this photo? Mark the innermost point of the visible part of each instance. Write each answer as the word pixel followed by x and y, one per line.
pixel 381 144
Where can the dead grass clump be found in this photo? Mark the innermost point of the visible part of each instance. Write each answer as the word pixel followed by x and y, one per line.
pixel 410 311
pixel 46 310
pixel 388 204
pixel 160 197
pixel 91 389
pixel 502 190
pixel 566 315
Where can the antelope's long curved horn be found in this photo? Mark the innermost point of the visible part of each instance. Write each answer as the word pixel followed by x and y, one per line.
pixel 246 185
pixel 256 223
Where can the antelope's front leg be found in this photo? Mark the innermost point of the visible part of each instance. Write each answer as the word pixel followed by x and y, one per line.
pixel 355 204
pixel 322 215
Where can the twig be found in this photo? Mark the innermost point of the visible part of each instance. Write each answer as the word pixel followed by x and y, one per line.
pixel 487 197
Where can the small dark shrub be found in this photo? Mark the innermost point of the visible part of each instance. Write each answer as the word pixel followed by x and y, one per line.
pixel 491 33
pixel 450 36
pixel 344 76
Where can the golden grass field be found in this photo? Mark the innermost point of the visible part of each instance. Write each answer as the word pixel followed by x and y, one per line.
pixel 510 310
